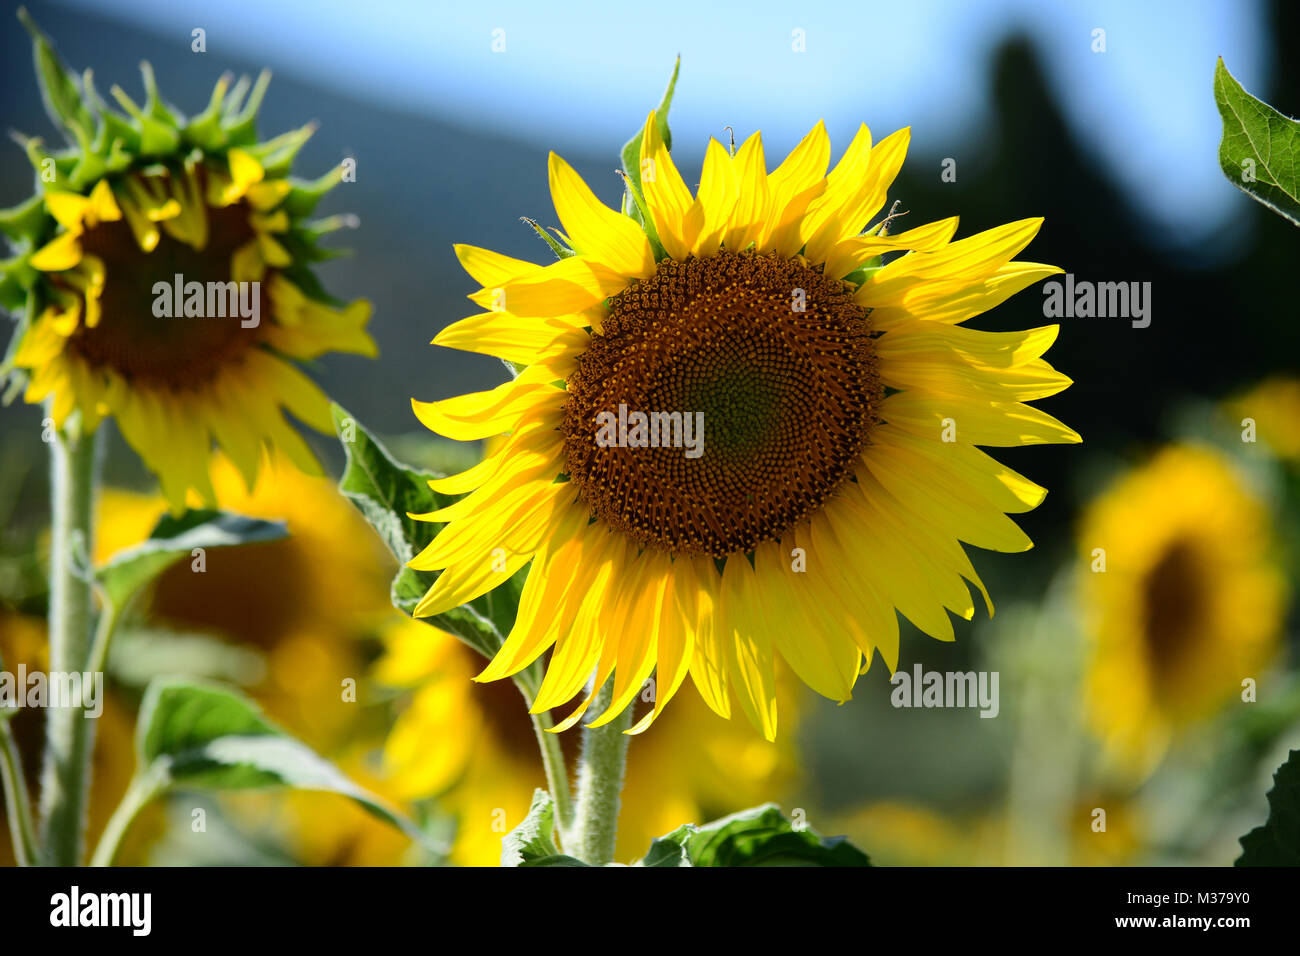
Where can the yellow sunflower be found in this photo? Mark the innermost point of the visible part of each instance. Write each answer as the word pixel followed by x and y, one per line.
pixel 1182 599
pixel 162 278
pixel 485 765
pixel 804 461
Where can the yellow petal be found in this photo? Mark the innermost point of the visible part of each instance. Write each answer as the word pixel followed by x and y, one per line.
pixel 666 194
pixel 59 254
pixel 597 231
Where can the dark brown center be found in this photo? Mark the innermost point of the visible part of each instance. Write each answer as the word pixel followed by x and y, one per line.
pixel 180 352
pixel 756 379
pixel 1173 607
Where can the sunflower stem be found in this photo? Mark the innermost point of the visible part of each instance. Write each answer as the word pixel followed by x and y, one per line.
pixel 65 774
pixel 139 793
pixel 600 783
pixel 22 831
pixel 557 774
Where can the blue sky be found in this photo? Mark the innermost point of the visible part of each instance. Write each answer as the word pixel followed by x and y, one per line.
pixel 580 75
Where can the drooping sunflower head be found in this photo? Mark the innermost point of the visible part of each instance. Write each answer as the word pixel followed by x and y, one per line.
pixel 1183 596
pixel 161 275
pixel 737 430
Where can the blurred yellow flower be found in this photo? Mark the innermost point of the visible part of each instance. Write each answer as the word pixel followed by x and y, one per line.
pixel 302 600
pixel 1181 598
pixel 473 746
pixel 1273 408
pixel 24 643
pixel 900 833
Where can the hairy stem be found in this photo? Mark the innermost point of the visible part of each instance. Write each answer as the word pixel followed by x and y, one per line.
pixel 600 783
pixel 22 830
pixel 65 772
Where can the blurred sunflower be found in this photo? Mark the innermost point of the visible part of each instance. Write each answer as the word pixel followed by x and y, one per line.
pixel 835 471
pixel 24 643
pixel 1274 408
pixel 1190 602
pixel 162 275
pixel 303 600
pixel 910 834
pixel 486 765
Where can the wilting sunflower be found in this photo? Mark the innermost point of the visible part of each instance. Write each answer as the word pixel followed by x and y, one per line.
pixel 1189 605
pixel 486 765
pixel 162 278
pixel 808 462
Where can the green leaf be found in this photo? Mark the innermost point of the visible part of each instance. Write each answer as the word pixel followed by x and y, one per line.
pixel 139 655
pixel 670 850
pixel 387 492
pixel 634 199
pixel 763 836
pixel 194 734
pixel 1277 842
pixel 1260 150
pixel 174 538
pixel 532 843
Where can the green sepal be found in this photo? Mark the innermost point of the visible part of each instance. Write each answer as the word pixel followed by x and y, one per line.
pixel 630 157
pixel 59 89
pixel 560 249
pixel 24 222
pixel 205 130
pixel 277 155
pixel 304 196
pixel 115 134
pixel 241 122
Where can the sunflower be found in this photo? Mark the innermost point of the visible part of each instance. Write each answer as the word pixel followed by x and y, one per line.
pixel 1273 408
pixel 486 765
pixel 303 601
pixel 834 470
pixel 162 278
pixel 24 643
pixel 1182 597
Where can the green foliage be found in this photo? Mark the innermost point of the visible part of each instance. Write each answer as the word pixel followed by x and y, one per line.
pixel 761 836
pixel 174 538
pixel 1277 842
pixel 194 734
pixel 532 843
pixel 1260 150
pixel 387 493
